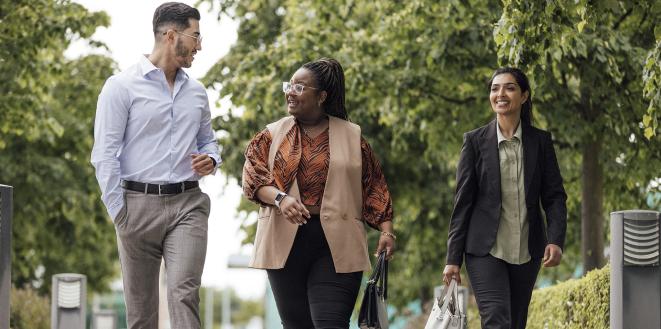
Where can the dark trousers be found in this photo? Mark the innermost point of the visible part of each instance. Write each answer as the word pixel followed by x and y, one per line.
pixel 307 291
pixel 502 290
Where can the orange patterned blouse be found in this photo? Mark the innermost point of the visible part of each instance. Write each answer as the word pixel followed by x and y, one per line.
pixel 312 171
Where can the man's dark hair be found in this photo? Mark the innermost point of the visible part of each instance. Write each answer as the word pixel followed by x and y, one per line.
pixel 175 13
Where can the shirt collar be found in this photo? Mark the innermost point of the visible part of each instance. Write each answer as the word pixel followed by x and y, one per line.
pixel 517 133
pixel 146 67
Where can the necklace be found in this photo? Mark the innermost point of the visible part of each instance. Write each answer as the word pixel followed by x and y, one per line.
pixel 309 131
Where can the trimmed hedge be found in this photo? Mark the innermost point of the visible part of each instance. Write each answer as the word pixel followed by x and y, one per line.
pixel 28 310
pixel 575 304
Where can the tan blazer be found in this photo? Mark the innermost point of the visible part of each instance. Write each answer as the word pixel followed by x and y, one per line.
pixel 341 205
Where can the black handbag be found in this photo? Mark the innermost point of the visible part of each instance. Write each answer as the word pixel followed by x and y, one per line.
pixel 373 313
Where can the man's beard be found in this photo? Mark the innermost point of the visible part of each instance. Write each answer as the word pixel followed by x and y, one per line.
pixel 181 51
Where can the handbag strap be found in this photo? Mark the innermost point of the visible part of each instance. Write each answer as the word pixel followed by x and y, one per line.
pixel 379 275
pixel 384 275
pixel 450 291
pixel 456 299
pixel 376 272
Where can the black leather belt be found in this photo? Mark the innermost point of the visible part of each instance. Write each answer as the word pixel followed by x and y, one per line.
pixel 174 188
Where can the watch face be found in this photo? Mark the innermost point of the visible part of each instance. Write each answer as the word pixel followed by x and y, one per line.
pixel 279 198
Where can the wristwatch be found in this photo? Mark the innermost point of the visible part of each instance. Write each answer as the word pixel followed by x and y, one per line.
pixel 278 198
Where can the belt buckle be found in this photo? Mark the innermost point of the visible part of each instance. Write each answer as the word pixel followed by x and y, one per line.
pixel 159 189
pixel 146 187
pixel 183 187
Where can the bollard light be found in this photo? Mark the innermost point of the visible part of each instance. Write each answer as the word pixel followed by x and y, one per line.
pixel 635 290
pixel 68 304
pixel 104 319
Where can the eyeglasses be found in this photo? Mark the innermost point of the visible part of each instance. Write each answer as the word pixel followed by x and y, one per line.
pixel 197 38
pixel 296 87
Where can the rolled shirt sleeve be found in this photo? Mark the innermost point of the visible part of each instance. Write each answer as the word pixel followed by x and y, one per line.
pixel 256 173
pixel 206 137
pixel 109 126
pixel 377 203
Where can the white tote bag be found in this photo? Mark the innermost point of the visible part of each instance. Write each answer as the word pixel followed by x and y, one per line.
pixel 447 313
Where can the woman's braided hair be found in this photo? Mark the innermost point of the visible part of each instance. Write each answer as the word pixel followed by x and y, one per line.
pixel 329 76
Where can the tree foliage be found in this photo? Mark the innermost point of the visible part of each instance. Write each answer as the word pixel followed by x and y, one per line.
pixel 593 63
pixel 416 74
pixel 652 87
pixel 47 107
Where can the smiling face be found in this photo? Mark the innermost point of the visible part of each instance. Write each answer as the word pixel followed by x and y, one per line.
pixel 506 96
pixel 186 46
pixel 307 105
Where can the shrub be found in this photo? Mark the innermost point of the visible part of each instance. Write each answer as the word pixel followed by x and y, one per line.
pixel 575 304
pixel 28 310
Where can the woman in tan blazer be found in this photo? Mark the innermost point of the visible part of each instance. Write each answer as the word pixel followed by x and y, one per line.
pixel 318 183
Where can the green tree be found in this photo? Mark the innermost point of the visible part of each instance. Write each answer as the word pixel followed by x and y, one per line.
pixel 416 80
pixel 652 87
pixel 587 60
pixel 416 74
pixel 47 105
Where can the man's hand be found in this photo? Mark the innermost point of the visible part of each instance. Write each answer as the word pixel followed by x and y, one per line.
pixel 552 255
pixel 202 164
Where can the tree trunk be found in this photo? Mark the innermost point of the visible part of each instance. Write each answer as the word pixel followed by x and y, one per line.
pixel 592 225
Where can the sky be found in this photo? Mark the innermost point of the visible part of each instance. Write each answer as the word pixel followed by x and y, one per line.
pixel 128 37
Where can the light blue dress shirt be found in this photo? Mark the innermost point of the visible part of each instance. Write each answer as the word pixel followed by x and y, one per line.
pixel 145 133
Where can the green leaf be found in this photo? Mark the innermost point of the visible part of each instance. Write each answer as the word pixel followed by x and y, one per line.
pixel 646 120
pixel 649 133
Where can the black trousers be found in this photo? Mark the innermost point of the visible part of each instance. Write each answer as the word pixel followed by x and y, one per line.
pixel 502 290
pixel 307 291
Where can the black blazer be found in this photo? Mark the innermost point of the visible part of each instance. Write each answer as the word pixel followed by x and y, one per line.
pixel 476 213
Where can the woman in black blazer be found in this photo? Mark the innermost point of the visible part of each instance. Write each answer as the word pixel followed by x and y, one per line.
pixel 506 170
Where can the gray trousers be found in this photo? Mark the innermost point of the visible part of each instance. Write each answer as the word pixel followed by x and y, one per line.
pixel 169 227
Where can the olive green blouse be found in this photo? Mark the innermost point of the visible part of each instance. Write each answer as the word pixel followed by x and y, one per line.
pixel 512 238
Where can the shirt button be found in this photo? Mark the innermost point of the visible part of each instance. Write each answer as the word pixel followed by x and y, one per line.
pixel 344 216
pixel 326 217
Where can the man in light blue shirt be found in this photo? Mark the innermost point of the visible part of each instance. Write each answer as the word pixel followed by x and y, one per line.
pixel 152 142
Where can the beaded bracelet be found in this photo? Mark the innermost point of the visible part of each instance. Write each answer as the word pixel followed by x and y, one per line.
pixel 394 237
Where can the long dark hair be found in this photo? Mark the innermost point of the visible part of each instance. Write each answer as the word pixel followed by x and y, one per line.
pixel 329 76
pixel 522 81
